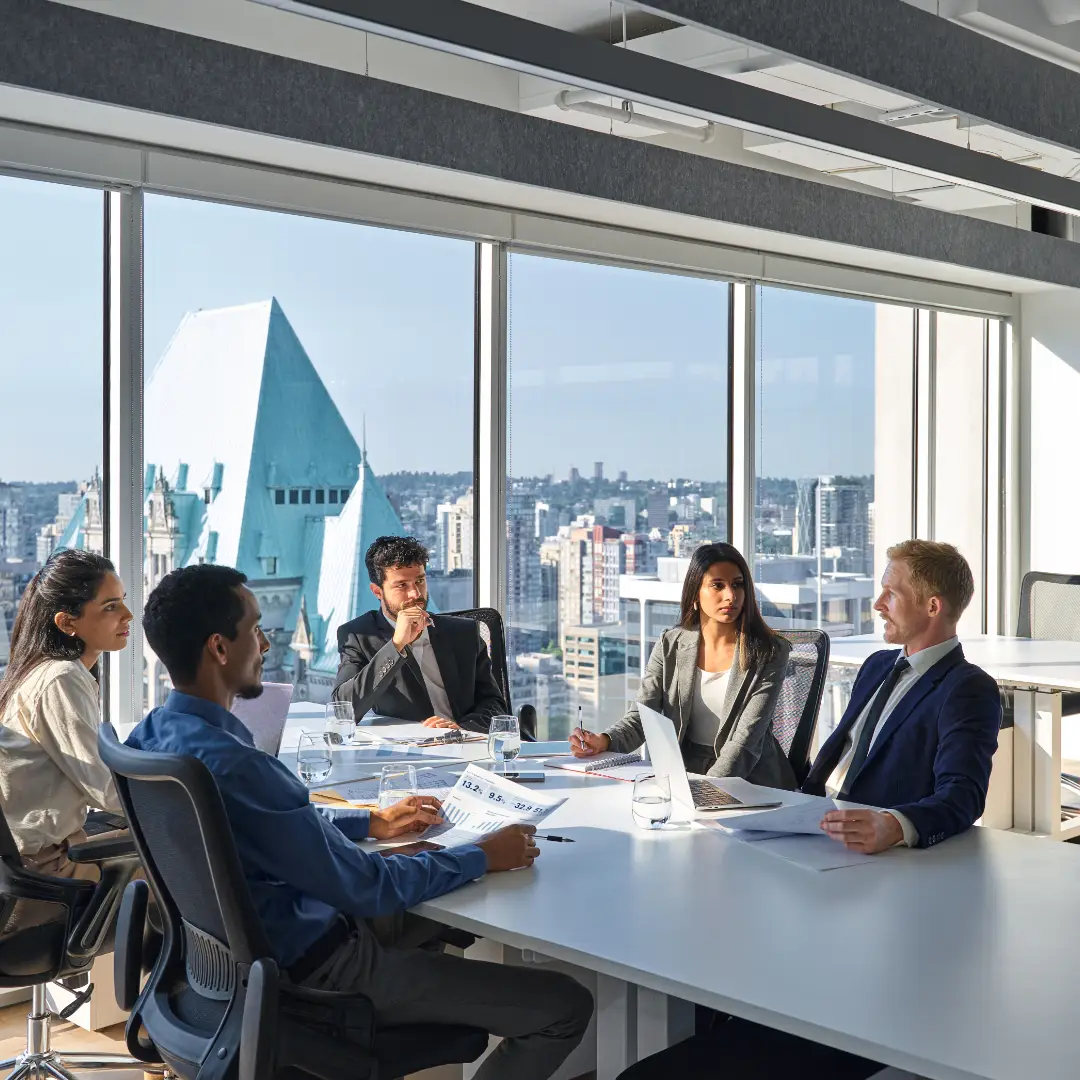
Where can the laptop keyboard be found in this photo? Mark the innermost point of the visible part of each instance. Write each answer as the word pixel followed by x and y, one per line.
pixel 709 797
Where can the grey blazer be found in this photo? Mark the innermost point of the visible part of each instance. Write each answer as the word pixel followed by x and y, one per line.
pixel 745 745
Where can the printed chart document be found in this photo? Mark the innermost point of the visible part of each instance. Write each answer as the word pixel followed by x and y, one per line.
pixel 482 803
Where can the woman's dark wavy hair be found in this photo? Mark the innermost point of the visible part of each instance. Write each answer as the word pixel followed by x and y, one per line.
pixel 756 640
pixel 68 581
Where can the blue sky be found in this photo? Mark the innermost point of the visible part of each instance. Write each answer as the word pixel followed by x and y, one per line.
pixel 611 364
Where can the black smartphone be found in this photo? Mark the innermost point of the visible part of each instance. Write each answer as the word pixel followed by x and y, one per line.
pixel 525 777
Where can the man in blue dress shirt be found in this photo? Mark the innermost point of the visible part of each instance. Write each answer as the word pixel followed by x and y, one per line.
pixel 336 914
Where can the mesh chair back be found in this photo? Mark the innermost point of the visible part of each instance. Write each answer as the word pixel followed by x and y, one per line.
pixel 1050 607
pixel 183 836
pixel 796 712
pixel 494 635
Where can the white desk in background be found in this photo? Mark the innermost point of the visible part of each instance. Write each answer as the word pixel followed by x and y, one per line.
pixel 946 962
pixel 1037 673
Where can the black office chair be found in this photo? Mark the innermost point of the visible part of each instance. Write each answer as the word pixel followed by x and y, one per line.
pixel 51 929
pixel 215 1005
pixel 1050 611
pixel 796 713
pixel 494 634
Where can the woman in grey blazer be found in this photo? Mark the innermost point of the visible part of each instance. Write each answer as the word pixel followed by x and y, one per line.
pixel 716 676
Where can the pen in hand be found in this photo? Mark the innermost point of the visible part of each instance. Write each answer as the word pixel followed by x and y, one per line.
pixel 557 839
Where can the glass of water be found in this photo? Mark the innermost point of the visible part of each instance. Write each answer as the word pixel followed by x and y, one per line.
pixel 504 740
pixel 652 801
pixel 313 761
pixel 396 782
pixel 340 725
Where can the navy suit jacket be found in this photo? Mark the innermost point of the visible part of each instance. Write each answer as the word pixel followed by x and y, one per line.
pixel 931 758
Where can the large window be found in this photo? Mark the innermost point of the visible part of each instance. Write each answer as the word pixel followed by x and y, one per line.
pixel 815 452
pixel 51 287
pixel 309 387
pixel 617 470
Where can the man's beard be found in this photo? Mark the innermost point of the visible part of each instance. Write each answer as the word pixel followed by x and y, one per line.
pixel 249 693
pixel 420 605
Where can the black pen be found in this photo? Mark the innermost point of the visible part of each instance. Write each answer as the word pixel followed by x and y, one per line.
pixel 557 839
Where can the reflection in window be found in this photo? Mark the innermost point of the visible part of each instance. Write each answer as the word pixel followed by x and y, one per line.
pixel 617 471
pixel 279 352
pixel 51 285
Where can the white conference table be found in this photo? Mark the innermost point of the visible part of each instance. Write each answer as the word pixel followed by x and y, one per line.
pixel 1037 673
pixel 948 962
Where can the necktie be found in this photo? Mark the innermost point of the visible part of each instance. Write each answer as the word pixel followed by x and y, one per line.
pixel 866 736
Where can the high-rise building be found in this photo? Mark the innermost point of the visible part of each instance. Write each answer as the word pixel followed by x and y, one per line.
pixel 622 476
pixel 598 471
pixel 454 525
pixel 845 530
pixel 545 521
pixel 659 508
pixel 11 533
pixel 523 573
pixel 618 512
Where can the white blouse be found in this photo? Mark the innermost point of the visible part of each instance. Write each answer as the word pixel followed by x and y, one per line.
pixel 707 711
pixel 50 770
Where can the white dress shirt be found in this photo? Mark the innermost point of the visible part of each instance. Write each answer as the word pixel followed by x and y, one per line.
pixel 707 710
pixel 921 662
pixel 429 668
pixel 50 769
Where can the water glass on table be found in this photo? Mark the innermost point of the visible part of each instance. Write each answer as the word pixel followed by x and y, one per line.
pixel 313 761
pixel 652 801
pixel 340 723
pixel 396 782
pixel 504 740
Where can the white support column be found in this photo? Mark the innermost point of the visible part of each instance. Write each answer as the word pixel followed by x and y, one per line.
pixel 925 345
pixel 492 423
pixel 742 411
pixel 662 1021
pixel 997 481
pixel 1037 761
pixel 1023 760
pixel 616 1026
pixel 123 509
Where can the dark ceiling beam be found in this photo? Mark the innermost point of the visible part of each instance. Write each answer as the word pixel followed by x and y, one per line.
pixel 465 29
pixel 58 52
pixel 895 45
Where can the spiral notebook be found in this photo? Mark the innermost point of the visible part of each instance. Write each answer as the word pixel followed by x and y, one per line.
pixel 610 766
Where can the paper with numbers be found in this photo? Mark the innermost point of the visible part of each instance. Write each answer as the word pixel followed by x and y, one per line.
pixel 483 802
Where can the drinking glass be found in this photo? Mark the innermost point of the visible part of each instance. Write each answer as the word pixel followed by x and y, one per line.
pixel 396 782
pixel 313 761
pixel 652 801
pixel 504 740
pixel 340 724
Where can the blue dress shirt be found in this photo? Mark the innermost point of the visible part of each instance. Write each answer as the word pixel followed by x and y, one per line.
pixel 300 861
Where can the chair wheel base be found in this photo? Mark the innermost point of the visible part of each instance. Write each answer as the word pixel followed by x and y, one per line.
pixel 55 1066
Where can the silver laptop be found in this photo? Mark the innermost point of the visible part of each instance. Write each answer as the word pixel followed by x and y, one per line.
pixel 265 716
pixel 693 793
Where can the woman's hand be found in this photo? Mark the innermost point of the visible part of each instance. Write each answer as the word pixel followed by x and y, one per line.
pixel 588 743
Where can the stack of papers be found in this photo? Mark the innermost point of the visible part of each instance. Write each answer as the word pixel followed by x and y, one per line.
pixel 415 735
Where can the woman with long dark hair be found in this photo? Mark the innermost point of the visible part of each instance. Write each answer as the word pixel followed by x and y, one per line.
pixel 50 772
pixel 716 676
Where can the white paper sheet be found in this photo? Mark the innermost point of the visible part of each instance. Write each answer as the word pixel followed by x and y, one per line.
pixel 399 734
pixel 803 816
pixel 484 802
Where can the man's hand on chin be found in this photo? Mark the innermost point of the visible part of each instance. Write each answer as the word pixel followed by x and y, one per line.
pixel 439 721
pixel 865 831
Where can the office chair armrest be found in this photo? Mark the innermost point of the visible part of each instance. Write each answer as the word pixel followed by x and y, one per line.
pixel 96 920
pixel 526 715
pixel 259 1030
pixel 128 948
pixel 112 847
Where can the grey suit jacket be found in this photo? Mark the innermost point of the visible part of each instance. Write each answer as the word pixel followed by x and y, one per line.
pixel 744 744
